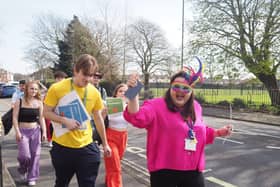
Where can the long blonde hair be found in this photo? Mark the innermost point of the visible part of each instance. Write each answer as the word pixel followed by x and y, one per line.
pixel 27 85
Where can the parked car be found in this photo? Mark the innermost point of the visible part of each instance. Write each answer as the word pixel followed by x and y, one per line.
pixel 16 83
pixel 1 86
pixel 8 90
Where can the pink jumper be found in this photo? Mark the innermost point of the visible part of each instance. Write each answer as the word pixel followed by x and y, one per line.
pixel 166 133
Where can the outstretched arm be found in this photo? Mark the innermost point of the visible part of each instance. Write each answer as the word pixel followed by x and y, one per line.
pixel 224 131
pixel 133 104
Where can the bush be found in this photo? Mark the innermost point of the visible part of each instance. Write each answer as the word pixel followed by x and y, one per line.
pixel 224 103
pixel 270 109
pixel 200 98
pixel 238 103
pixel 147 94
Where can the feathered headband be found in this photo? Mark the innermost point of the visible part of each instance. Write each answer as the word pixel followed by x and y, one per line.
pixel 191 76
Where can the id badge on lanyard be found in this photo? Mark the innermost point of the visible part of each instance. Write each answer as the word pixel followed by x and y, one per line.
pixel 190 140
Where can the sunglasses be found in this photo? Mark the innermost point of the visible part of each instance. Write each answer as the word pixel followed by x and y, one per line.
pixel 96 76
pixel 88 74
pixel 180 87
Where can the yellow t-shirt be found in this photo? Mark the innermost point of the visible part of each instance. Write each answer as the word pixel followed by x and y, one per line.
pixel 75 138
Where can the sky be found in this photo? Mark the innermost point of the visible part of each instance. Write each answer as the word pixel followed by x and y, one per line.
pixel 17 17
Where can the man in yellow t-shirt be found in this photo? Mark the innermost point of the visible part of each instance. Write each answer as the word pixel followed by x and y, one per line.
pixel 74 152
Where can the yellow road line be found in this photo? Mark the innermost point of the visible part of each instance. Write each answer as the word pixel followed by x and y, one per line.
pixel 220 182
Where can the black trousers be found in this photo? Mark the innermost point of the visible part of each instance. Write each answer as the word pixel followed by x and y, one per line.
pixel 84 162
pixel 176 178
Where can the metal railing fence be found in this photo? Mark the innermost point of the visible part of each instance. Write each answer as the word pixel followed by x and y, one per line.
pixel 256 96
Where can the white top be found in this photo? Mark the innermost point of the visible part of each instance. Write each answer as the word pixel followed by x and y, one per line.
pixel 17 95
pixel 117 121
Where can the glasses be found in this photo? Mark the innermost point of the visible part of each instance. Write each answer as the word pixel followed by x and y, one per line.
pixel 182 88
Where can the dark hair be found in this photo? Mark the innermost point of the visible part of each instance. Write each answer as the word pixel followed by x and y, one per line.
pixel 22 82
pixel 86 63
pixel 60 74
pixel 117 89
pixel 188 109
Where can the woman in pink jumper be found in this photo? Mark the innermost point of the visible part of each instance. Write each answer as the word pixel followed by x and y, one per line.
pixel 176 133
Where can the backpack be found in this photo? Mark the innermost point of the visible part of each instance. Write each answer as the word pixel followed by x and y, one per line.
pixel 95 136
pixel 7 120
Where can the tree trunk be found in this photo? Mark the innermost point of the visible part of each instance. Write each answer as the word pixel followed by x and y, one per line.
pixel 272 87
pixel 146 85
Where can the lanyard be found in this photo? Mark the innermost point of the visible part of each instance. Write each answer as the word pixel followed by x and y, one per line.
pixel 85 94
pixel 190 124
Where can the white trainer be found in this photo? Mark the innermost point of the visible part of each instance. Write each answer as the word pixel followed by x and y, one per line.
pixel 23 177
pixel 31 183
pixel 50 144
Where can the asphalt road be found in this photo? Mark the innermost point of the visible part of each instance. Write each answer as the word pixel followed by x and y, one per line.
pixel 5 104
pixel 249 158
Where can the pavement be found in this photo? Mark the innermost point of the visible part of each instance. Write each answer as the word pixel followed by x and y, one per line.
pixel 47 177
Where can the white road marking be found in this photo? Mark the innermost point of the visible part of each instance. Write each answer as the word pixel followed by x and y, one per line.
pixel 254 134
pixel 135 150
pixel 142 155
pixel 207 170
pixel 144 174
pixel 220 182
pixel 229 140
pixel 272 147
pixel 139 171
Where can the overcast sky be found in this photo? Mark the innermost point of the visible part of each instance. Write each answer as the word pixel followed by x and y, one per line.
pixel 17 17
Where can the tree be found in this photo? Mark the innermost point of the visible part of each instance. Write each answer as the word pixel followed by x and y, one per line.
pixel 246 30
pixel 77 40
pixel 40 59
pixel 65 58
pixel 46 33
pixel 148 48
pixel 109 43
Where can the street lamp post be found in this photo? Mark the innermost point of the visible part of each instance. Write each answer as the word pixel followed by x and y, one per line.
pixel 124 46
pixel 183 25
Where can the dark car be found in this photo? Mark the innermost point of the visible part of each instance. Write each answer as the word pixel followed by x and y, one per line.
pixel 8 90
pixel 1 86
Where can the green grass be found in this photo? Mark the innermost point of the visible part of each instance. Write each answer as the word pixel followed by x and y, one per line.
pixel 250 97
